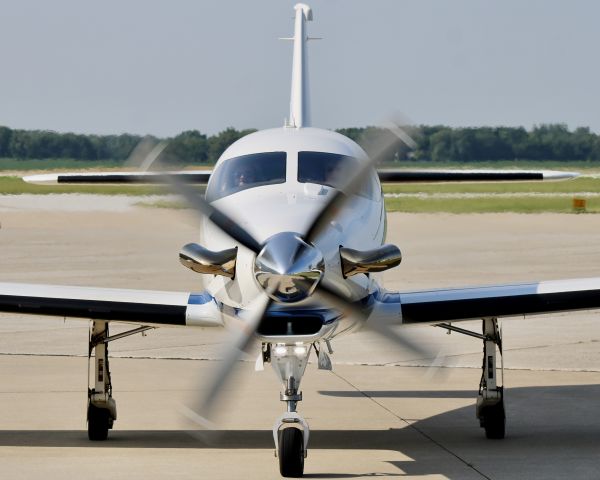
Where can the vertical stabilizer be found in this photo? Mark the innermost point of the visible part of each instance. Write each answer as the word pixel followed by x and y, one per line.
pixel 299 102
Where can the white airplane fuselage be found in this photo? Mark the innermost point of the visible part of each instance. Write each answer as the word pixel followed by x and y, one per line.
pixel 291 206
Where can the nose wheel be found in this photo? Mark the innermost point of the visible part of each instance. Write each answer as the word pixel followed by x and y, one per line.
pixel 291 452
pixel 291 443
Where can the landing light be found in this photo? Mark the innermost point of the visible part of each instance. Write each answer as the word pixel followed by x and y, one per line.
pixel 284 350
pixel 300 351
pixel 280 350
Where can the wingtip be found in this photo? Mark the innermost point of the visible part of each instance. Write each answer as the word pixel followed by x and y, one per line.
pixel 41 179
pixel 559 175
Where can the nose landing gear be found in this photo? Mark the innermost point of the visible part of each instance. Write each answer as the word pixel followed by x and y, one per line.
pixel 291 431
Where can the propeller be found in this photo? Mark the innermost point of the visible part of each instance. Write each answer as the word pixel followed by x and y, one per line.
pixel 197 202
pixel 202 411
pixel 252 316
pixel 377 143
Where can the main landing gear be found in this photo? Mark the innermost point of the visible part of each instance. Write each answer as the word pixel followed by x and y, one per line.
pixel 102 408
pixel 490 400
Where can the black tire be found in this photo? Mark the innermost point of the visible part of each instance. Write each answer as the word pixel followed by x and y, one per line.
pixel 494 421
pixel 291 452
pixel 98 423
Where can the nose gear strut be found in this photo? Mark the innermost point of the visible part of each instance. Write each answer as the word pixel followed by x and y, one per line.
pixel 290 431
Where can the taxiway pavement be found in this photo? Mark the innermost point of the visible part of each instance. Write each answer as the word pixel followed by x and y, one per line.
pixel 381 412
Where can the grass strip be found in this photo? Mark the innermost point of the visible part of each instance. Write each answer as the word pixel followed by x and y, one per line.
pixel 581 184
pixel 16 186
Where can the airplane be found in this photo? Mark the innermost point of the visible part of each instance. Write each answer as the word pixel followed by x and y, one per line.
pixel 292 247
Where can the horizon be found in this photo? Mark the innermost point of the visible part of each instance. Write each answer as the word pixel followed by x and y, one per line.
pixel 453 127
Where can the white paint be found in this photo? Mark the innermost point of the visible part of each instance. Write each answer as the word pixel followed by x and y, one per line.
pixel 573 285
pixel 299 101
pixel 502 291
pixel 204 315
pixel 154 297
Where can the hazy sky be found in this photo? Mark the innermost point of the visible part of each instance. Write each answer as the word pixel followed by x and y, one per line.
pixel 163 67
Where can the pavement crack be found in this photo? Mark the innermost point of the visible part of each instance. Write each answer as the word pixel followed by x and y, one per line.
pixel 409 424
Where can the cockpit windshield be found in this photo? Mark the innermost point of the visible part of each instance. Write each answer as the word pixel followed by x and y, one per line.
pixel 331 169
pixel 247 171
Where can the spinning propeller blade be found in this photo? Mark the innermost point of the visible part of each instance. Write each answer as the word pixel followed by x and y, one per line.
pixel 216 216
pixel 199 204
pixel 376 149
pixel 242 334
pixel 354 311
pixel 251 317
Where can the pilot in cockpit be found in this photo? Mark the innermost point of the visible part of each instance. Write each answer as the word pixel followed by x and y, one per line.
pixel 244 176
pixel 333 174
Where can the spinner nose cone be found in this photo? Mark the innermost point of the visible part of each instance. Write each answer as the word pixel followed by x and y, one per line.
pixel 288 268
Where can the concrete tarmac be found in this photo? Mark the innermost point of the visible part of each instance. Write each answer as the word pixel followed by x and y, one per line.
pixel 381 412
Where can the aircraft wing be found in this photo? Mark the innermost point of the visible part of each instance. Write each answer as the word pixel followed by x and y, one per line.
pixel 451 305
pixel 147 178
pixel 427 176
pixel 143 307
pixel 385 175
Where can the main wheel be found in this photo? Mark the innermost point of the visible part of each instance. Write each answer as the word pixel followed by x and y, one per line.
pixel 291 452
pixel 98 423
pixel 494 421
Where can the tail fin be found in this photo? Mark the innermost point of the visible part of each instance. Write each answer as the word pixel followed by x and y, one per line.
pixel 299 102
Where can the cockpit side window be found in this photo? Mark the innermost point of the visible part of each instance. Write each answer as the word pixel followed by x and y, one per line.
pixel 331 169
pixel 246 171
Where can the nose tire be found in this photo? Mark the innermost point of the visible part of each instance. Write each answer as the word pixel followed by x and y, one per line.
pixel 291 452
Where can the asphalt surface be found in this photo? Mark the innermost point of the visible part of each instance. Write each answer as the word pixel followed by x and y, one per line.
pixel 381 412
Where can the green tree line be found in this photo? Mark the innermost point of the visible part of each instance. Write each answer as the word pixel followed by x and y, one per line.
pixel 548 142
pixel 191 146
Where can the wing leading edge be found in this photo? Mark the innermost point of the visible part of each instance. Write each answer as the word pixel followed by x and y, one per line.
pixel 144 307
pixel 431 176
pixel 145 178
pixel 386 176
pixel 159 308
pixel 446 305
